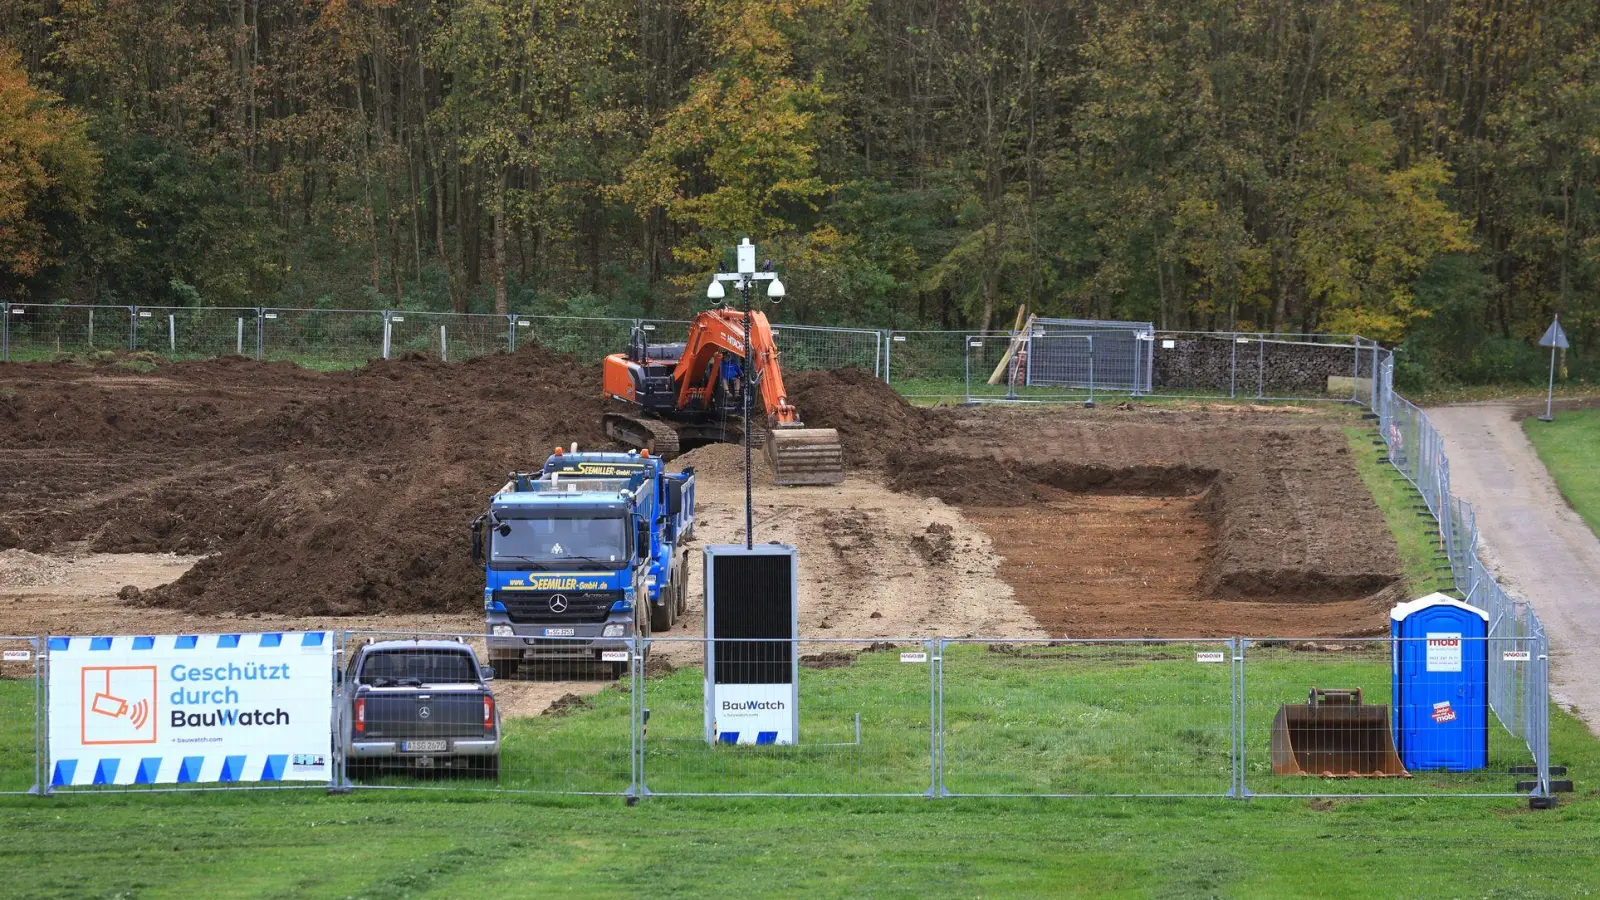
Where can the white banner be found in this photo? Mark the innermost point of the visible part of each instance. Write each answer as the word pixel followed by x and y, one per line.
pixel 754 713
pixel 1444 652
pixel 179 709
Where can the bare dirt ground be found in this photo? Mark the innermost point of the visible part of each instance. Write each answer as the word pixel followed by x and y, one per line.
pixel 300 500
pixel 1539 548
pixel 874 564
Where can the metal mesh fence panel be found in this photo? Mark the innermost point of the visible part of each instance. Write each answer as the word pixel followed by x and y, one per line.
pixel 929 364
pixel 1196 364
pixel 665 331
pixel 447 336
pixel 420 710
pixel 806 347
pixel 195 333
pixel 1376 716
pixel 1095 718
pixel 1120 351
pixel 322 338
pixel 20 715
pixel 40 332
pixel 587 340
pixel 1307 370
pixel 865 719
pixel 1032 368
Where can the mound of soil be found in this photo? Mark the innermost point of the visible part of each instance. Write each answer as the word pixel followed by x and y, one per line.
pixel 873 421
pixel 316 494
pixel 20 568
pixel 724 462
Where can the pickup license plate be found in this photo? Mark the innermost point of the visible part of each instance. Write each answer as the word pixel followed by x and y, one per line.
pixel 424 746
pixel 560 632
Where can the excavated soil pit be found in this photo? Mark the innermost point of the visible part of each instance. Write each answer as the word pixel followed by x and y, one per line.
pixel 1117 566
pixel 1155 523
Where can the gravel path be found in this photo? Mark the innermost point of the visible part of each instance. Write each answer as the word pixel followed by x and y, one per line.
pixel 1532 539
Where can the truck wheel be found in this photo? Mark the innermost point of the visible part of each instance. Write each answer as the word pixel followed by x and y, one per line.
pixel 683 586
pixel 661 617
pixel 487 767
pixel 505 668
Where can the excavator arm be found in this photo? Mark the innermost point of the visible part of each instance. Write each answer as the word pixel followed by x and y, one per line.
pixel 797 454
pixel 718 334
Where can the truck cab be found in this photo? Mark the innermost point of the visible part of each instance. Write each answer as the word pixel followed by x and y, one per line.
pixel 582 556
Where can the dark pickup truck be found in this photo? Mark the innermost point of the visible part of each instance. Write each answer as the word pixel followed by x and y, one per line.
pixel 419 705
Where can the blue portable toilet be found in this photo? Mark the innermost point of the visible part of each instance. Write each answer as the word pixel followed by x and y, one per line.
pixel 1441 684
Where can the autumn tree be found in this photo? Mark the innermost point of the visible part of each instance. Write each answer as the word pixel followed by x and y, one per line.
pixel 47 172
pixel 738 157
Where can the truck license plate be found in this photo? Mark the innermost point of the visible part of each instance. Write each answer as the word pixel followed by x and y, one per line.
pixel 560 632
pixel 424 746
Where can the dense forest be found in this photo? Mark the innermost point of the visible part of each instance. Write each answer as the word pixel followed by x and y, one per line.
pixel 1419 171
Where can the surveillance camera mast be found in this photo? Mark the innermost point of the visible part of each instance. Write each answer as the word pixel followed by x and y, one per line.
pixel 743 280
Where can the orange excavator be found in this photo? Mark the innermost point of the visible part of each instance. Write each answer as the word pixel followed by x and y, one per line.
pixel 671 398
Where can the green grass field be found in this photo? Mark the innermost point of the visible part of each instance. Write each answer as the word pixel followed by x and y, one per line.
pixel 1421 555
pixel 1022 719
pixel 1570 449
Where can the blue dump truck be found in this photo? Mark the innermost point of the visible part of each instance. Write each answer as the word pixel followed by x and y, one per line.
pixel 582 555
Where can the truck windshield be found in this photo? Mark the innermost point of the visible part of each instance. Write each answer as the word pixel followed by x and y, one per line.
pixel 564 542
pixel 392 667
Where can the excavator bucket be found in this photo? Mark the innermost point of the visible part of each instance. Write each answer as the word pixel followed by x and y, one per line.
pixel 1334 735
pixel 801 455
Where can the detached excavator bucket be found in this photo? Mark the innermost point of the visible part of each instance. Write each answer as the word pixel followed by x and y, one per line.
pixel 801 455
pixel 1334 735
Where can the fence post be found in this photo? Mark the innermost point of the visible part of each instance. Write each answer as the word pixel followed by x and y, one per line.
pixel 172 333
pixel 5 332
pixel 936 663
pixel 133 328
pixel 444 346
pixel 1538 721
pixel 238 341
pixel 877 356
pixel 888 357
pixel 1089 404
pixel 1355 374
pixel 511 332
pixel 41 752
pixel 1236 648
pixel 1261 367
pixel 386 327
pixel 1233 366
pixel 40 714
pixel 339 778
pixel 639 718
pixel 966 358
pixel 261 332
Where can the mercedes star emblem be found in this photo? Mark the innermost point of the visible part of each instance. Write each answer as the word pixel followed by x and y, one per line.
pixel 558 603
pixel 423 713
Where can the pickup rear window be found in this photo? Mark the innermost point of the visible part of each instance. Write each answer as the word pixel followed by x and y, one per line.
pixel 395 667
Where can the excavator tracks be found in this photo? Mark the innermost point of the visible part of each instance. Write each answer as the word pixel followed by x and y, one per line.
pixel 643 433
pixel 797 455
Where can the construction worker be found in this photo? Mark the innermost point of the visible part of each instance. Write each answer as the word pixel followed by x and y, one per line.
pixel 732 374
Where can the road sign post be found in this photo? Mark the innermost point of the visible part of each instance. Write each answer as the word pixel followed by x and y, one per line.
pixel 1555 339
